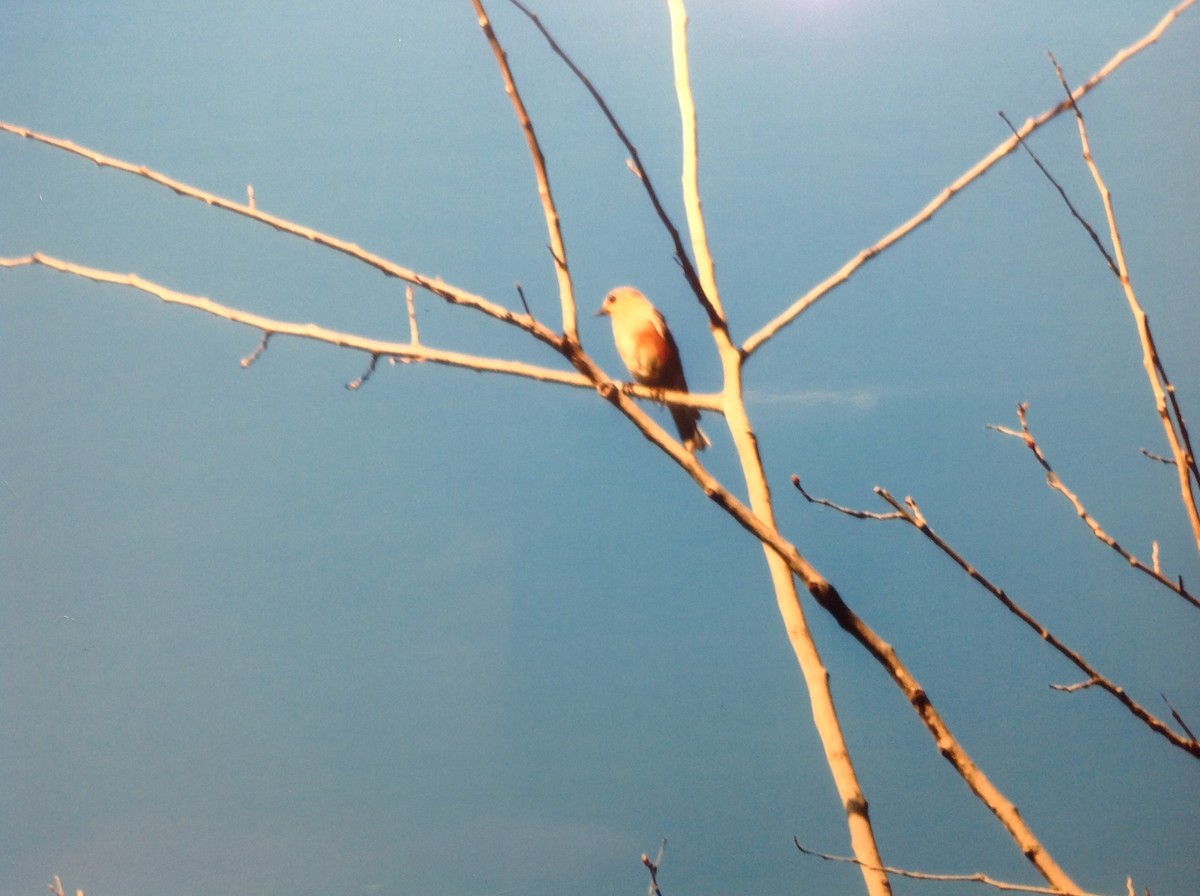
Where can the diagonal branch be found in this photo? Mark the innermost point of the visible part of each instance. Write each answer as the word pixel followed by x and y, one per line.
pixel 435 285
pixel 910 513
pixel 810 298
pixel 558 249
pixel 1173 426
pixel 1053 480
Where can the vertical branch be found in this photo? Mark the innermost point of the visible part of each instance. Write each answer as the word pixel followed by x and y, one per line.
pixel 816 675
pixel 691 165
pixel 558 249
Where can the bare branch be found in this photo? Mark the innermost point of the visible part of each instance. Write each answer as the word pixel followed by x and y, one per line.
pixel 972 174
pixel 1172 418
pixel 1168 461
pixel 262 347
pixel 956 878
pixel 848 511
pixel 524 304
pixel 711 299
pixel 405 351
pixel 1078 686
pixel 910 513
pixel 357 384
pixel 435 285
pixel 1178 718
pixel 1065 198
pixel 414 331
pixel 653 866
pixel 1053 480
pixel 634 162
pixel 558 249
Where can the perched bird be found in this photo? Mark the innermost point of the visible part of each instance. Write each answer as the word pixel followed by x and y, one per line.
pixel 645 344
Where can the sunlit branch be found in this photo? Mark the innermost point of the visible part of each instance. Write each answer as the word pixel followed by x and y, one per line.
pixel 557 248
pixel 1053 480
pixel 910 513
pixel 711 300
pixel 435 285
pixel 1172 419
pixel 414 331
pixel 956 878
pixel 847 270
pixel 404 351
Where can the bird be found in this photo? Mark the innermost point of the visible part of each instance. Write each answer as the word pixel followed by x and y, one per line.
pixel 645 344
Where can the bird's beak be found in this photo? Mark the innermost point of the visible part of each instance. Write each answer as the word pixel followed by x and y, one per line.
pixel 603 312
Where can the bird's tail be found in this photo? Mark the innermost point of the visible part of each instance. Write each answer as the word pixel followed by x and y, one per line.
pixel 687 421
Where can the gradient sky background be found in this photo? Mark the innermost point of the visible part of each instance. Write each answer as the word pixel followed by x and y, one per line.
pixel 461 634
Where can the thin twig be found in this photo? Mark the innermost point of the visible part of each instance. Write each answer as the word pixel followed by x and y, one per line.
pixel 653 866
pixel 957 878
pixel 1078 686
pixel 768 330
pixel 1091 231
pixel 262 347
pixel 558 249
pixel 848 511
pixel 1053 480
pixel 524 304
pixel 354 385
pixel 1178 718
pixel 1169 461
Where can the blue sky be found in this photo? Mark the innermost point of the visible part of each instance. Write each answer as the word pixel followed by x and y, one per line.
pixel 470 635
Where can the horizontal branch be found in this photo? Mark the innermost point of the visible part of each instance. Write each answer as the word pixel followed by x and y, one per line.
pixel 977 878
pixel 409 351
pixel 972 174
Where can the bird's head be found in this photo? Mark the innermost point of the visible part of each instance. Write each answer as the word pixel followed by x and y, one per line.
pixel 624 300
